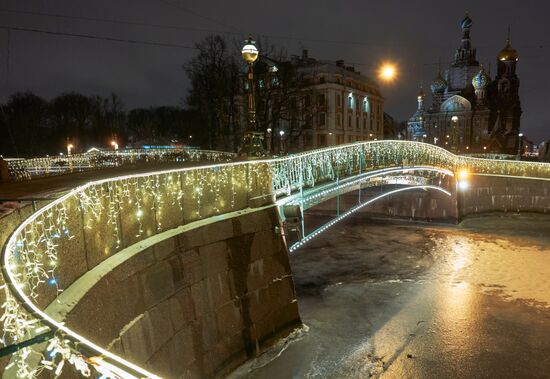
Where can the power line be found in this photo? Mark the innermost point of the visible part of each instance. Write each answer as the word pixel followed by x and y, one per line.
pixel 114 21
pixel 94 37
pixel 187 10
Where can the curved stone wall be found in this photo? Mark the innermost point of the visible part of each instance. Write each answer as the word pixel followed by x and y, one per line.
pixel 195 301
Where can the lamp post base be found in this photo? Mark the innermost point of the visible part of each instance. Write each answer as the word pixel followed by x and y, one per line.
pixel 253 145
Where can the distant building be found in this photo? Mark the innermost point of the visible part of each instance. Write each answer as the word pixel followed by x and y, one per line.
pixel 470 112
pixel 337 105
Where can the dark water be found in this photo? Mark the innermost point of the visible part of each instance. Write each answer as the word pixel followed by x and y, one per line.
pixel 407 301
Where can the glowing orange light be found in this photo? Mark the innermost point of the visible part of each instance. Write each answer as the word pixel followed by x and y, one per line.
pixel 463 173
pixel 387 72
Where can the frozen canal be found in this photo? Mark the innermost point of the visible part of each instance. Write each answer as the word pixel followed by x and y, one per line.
pixel 399 300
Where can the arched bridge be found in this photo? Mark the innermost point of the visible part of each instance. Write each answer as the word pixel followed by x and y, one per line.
pixel 63 250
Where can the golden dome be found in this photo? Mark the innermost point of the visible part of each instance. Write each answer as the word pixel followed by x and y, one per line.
pixel 508 53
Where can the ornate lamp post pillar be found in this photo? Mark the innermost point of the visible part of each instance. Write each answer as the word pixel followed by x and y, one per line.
pixel 253 141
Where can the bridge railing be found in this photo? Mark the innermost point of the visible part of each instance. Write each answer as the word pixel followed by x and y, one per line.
pixel 25 169
pixel 71 235
pixel 318 166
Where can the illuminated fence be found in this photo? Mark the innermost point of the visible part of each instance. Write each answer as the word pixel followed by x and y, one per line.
pixel 73 234
pixel 24 169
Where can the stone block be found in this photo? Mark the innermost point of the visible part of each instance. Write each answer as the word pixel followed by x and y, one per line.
pixel 204 235
pixel 283 291
pixel 209 331
pixel 160 324
pixel 182 309
pixel 256 277
pixel 201 300
pixel 263 244
pixel 164 248
pixel 259 304
pixel 184 348
pixel 219 289
pixel 254 222
pixel 178 271
pixel 192 267
pixel 157 283
pixel 229 318
pixel 137 340
pixel 135 265
pixel 214 258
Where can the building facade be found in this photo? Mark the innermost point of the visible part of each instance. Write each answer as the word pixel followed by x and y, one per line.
pixel 471 112
pixel 335 105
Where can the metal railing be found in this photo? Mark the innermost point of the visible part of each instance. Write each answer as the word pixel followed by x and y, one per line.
pixel 39 258
pixel 25 169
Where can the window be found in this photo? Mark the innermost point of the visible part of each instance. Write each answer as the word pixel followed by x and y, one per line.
pixel 307 101
pixel 322 119
pixel 338 119
pixel 364 123
pixel 321 140
pixel 350 101
pixel 338 100
pixel 357 123
pixel 349 121
pixel 321 99
pixel 365 105
pixel 322 79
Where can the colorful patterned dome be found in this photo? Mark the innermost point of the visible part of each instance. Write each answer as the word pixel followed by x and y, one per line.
pixel 466 22
pixel 481 79
pixel 439 84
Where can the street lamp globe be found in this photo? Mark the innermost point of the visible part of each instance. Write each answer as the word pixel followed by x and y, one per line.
pixel 249 51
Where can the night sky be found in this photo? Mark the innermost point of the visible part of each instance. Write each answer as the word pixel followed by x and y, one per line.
pixel 414 34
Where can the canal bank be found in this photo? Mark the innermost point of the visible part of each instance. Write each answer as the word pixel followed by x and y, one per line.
pixel 401 300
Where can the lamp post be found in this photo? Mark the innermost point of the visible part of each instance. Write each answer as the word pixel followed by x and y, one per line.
pixel 454 132
pixel 69 148
pixel 281 142
pixel 269 137
pixel 253 141
pixel 520 143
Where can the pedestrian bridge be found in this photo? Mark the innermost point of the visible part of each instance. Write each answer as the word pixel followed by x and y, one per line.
pixel 48 255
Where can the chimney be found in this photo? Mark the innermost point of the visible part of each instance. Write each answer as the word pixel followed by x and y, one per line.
pixel 304 55
pixel 340 63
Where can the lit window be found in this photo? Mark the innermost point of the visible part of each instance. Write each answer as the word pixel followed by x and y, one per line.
pixel 365 105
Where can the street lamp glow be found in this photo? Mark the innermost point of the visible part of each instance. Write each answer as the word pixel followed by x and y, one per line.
pixel 454 118
pixel 114 144
pixel 249 51
pixel 387 72
pixel 463 173
pixel 69 148
pixel 282 133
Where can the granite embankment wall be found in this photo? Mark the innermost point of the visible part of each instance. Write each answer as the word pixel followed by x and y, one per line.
pixel 422 205
pixel 194 302
pixel 504 194
pixel 485 194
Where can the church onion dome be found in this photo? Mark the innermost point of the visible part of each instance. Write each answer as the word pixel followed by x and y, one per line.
pixel 466 22
pixel 421 93
pixel 481 79
pixel 439 84
pixel 508 53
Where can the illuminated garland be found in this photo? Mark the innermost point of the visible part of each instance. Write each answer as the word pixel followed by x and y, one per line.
pixel 25 169
pixel 133 207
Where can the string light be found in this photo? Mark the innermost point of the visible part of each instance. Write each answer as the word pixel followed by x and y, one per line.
pixel 149 202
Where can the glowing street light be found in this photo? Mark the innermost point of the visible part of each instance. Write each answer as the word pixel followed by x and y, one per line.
pixel 114 144
pixel 462 182
pixel 69 148
pixel 387 72
pixel 253 141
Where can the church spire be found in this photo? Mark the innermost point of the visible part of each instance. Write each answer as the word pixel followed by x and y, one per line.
pixel 465 55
